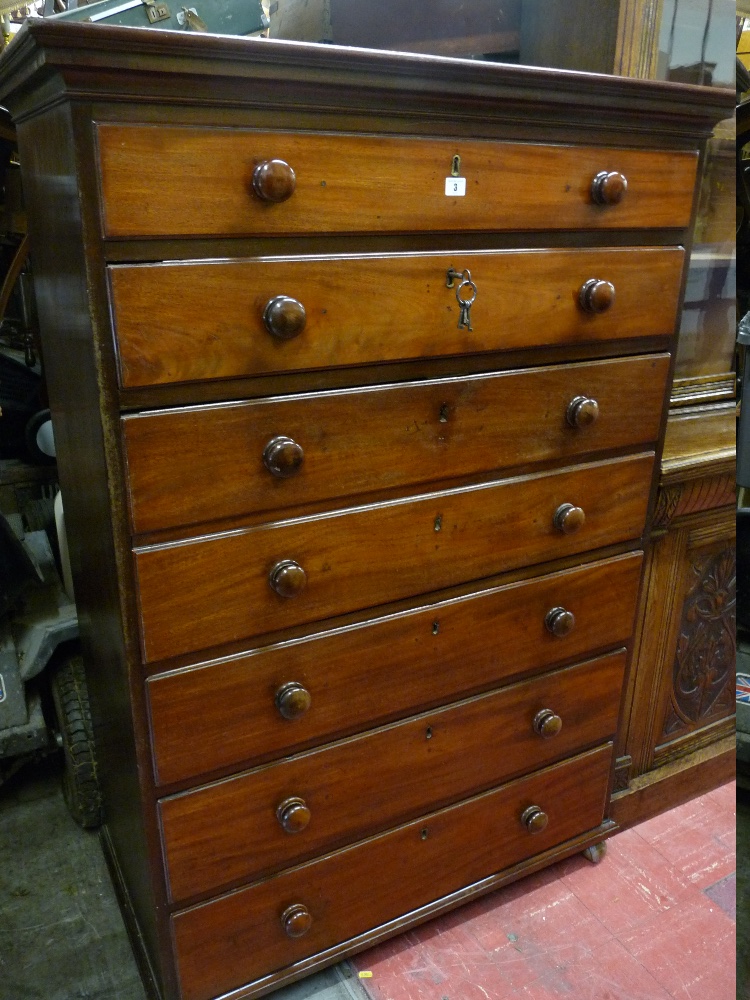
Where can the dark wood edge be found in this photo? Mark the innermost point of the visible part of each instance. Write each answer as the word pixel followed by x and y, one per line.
pixel 75 51
pixel 709 463
pixel 137 943
pixel 392 373
pixel 675 783
pixel 444 905
pixel 694 392
pixel 129 251
pixel 694 741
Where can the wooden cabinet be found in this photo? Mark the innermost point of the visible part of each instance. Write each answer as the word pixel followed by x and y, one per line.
pixel 359 366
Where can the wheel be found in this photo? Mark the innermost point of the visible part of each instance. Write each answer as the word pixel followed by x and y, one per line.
pixel 596 853
pixel 80 780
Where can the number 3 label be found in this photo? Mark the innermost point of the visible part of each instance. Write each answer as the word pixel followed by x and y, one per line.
pixel 455 187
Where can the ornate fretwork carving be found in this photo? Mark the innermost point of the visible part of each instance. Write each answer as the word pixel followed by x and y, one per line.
pixel 667 501
pixel 706 649
pixel 622 773
pixel 692 496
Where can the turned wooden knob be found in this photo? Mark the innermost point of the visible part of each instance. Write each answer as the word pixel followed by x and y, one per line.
pixel 608 187
pixel 287 578
pixel 560 622
pixel 284 317
pixel 283 457
pixel 293 815
pixel 596 296
pixel 293 700
pixel 534 819
pixel 582 411
pixel 274 180
pixel 569 518
pixel 547 723
pixel 296 920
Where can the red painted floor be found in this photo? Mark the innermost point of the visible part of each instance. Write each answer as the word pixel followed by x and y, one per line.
pixel 654 920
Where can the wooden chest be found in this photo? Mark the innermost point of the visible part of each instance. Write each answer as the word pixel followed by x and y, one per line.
pixel 358 365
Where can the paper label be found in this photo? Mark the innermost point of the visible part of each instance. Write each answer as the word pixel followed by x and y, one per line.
pixel 455 187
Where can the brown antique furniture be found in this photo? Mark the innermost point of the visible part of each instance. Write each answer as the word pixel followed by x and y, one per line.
pixel 359 365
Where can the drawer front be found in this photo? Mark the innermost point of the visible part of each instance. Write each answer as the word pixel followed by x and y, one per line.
pixel 246 827
pixel 207 462
pixel 239 937
pixel 373 184
pixel 342 682
pixel 198 594
pixel 206 320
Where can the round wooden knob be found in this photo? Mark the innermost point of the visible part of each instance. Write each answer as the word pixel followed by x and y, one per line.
pixel 596 296
pixel 547 723
pixel 582 411
pixel 287 578
pixel 283 457
pixel 293 815
pixel 560 622
pixel 534 819
pixel 569 518
pixel 293 700
pixel 608 187
pixel 274 180
pixel 284 317
pixel 296 920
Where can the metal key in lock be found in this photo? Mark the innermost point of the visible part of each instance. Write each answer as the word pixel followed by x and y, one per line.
pixel 465 304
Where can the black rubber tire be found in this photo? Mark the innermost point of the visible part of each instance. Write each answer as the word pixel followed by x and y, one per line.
pixel 80 780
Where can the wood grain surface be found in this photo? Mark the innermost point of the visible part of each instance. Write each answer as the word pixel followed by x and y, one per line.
pixel 201 593
pixel 237 938
pixel 229 831
pixel 192 465
pixel 185 321
pixel 373 183
pixel 383 669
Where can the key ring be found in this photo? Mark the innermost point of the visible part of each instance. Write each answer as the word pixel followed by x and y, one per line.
pixel 466 303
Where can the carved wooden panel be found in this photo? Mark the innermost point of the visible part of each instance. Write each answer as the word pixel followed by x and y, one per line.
pixel 703 669
pixel 685 498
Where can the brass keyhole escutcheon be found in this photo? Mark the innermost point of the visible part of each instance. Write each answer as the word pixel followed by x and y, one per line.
pixel 456 166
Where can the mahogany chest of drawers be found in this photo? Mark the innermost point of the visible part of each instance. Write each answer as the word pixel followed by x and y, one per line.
pixel 358 365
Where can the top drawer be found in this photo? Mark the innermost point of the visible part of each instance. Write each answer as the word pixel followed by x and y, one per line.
pixel 373 184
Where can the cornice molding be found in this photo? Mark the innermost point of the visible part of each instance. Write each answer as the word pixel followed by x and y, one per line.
pixel 97 62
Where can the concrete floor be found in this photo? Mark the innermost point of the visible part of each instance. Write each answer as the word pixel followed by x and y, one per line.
pixel 61 931
pixel 63 937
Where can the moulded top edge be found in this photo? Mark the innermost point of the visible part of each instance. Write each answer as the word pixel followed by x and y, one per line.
pixel 97 59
